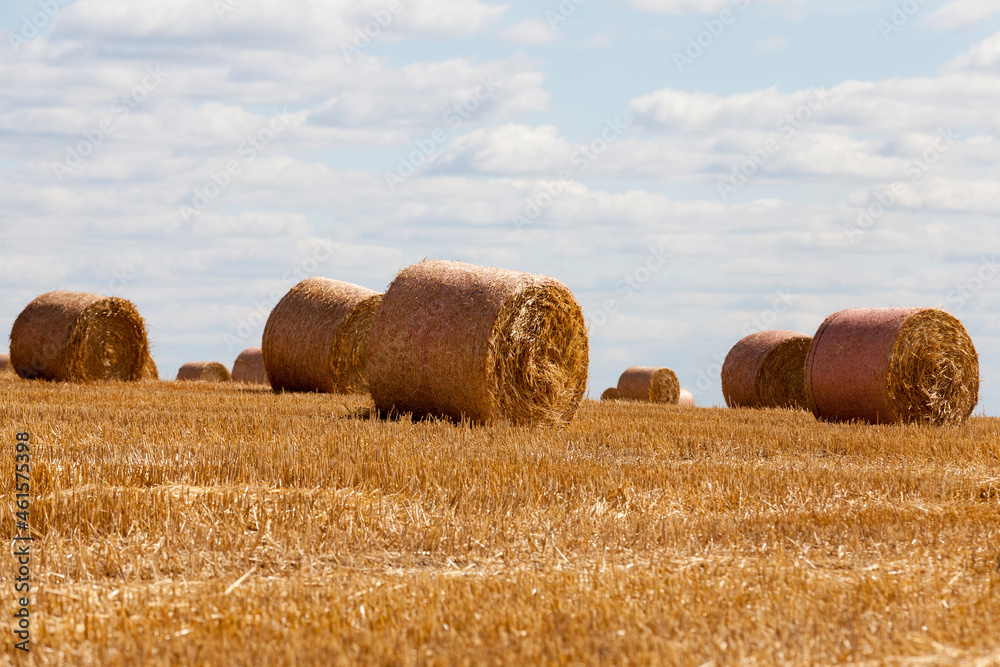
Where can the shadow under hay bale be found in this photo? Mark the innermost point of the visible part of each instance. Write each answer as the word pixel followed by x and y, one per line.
pixel 649 384
pixel 767 370
pixel 892 365
pixel 316 338
pixel 374 414
pixel 79 337
pixel 465 341
pixel 203 371
pixel 610 394
pixel 249 367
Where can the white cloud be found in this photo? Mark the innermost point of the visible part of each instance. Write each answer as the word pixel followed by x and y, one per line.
pixel 695 7
pixel 530 32
pixel 287 26
pixel 959 14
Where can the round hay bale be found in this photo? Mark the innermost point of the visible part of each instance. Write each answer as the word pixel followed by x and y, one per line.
pixel 5 365
pixel 653 385
pixel 149 369
pixel 465 341
pixel 249 367
pixel 767 370
pixel 892 365
pixel 316 338
pixel 610 394
pixel 203 371
pixel 78 337
pixel 686 399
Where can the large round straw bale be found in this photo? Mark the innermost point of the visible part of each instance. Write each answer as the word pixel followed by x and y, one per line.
pixel 5 365
pixel 459 340
pixel 78 337
pixel 316 338
pixel 686 399
pixel 203 371
pixel 149 369
pixel 767 370
pixel 645 383
pixel 889 365
pixel 249 367
pixel 610 394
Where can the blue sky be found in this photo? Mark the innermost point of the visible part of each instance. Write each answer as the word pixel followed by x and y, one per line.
pixel 199 157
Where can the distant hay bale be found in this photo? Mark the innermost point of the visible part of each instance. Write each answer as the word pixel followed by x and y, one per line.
pixel 892 365
pixel 686 399
pixel 149 369
pixel 78 337
pixel 5 365
pixel 645 383
pixel 203 371
pixel 767 370
pixel 465 341
pixel 249 367
pixel 316 338
pixel 610 394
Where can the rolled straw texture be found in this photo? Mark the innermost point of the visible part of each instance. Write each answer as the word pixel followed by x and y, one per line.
pixel 610 394
pixel 316 338
pixel 767 370
pixel 203 371
pixel 686 399
pixel 149 369
pixel 645 383
pixel 464 341
pixel 891 365
pixel 249 367
pixel 78 337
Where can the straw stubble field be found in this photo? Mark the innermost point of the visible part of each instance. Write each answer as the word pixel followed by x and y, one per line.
pixel 208 524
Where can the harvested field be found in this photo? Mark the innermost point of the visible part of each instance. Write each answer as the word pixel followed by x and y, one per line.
pixel 197 523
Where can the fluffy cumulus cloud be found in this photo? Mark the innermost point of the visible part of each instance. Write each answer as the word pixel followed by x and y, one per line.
pixel 959 14
pixel 200 158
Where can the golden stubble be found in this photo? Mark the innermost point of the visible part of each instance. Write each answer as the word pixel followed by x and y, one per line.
pixel 223 524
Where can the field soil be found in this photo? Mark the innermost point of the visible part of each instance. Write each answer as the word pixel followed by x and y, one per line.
pixel 188 523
